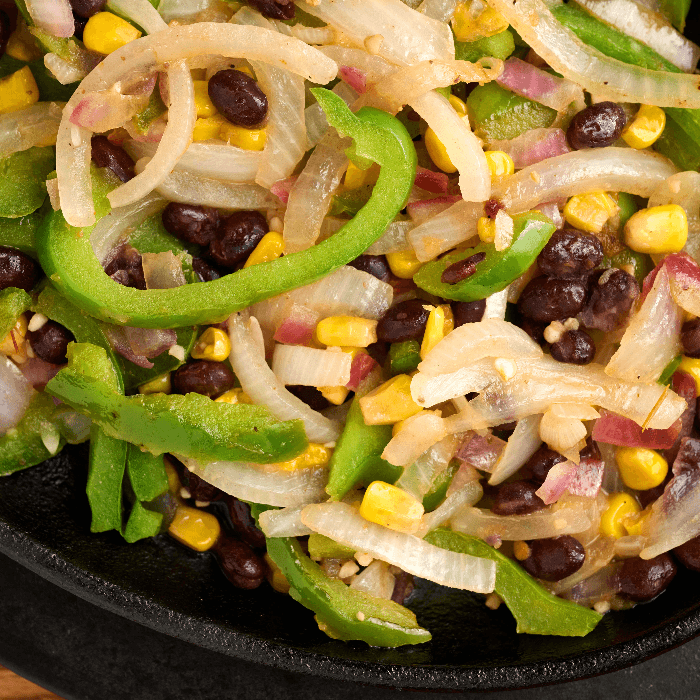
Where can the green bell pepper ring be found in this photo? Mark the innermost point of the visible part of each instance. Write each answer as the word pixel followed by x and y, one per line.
pixel 23 181
pixel 147 474
pixel 532 230
pixel 404 357
pixel 192 425
pixel 322 547
pixel 499 45
pixel 67 257
pixel 535 609
pixel 13 303
pixel 20 233
pixel 142 523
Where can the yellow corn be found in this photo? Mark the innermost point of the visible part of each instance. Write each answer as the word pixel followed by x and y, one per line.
pixel 662 229
pixel 21 46
pixel 647 125
pixel 355 177
pixel 500 164
pixel 334 394
pixel 202 102
pixel 195 528
pixel 459 105
pixel 440 323
pixel 620 507
pixel 438 152
pixel 18 91
pixel 158 385
pixel 404 263
pixel 275 576
pixel 271 246
pixel 347 330
pixel 248 139
pixel 486 228
pixel 641 468
pixel 213 344
pixel 15 341
pixel 470 26
pixel 314 456
pixel 105 32
pixel 208 128
pixel 234 396
pixel 691 365
pixel 589 212
pixel 390 402
pixel 391 507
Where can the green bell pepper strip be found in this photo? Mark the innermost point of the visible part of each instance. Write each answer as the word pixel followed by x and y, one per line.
pixel 669 369
pixel 536 610
pixel 499 45
pixel 68 259
pixel 147 474
pixel 677 11
pixel 13 303
pixel 628 206
pixel 322 547
pixel 142 523
pixel 404 357
pixel 23 181
pixel 532 230
pixel 640 262
pixel 191 425
pixel 438 489
pixel 19 233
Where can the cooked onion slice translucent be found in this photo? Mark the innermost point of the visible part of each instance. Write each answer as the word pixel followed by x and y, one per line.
pixel 417 434
pixel 468 495
pixel 533 146
pixel 53 16
pixel 419 476
pixel 141 12
pixel 15 394
pixel 296 364
pixel 342 523
pixel 285 522
pixel 34 126
pixel 429 391
pixel 64 71
pixel 521 445
pixel 441 10
pixel 376 580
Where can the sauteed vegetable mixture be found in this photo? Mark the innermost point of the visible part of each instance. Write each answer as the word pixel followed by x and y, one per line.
pixel 348 292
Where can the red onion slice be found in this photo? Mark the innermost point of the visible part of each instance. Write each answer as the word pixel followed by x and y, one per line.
pixel 613 429
pixel 53 16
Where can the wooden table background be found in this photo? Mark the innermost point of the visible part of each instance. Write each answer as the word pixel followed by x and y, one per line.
pixel 12 687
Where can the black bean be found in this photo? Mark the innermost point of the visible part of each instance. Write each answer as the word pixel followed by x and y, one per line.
pixel 310 395
pixel 126 267
pixel 648 496
pixel 612 293
pixel 574 347
pixel 468 311
pixel 492 207
pixel 591 450
pixel 690 337
pixel 405 321
pixel 79 23
pixel 375 265
pixel 596 126
pixel 238 97
pixel 240 564
pixel 461 269
pixel 237 237
pixel 203 377
pixel 644 579
pixel 403 587
pixel 50 342
pixel 87 8
pixel 548 299
pixel 204 270
pixel 541 462
pixel 17 269
pixel 199 489
pixel 106 154
pixel 517 498
pixel 191 223
pixel 5 31
pixel 274 9
pixel 688 554
pixel 535 329
pixel 688 458
pixel 554 558
pixel 244 523
pixel 570 254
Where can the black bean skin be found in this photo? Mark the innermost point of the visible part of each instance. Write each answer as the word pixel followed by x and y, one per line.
pixel 570 254
pixel 5 31
pixel 468 311
pixel 554 558
pixel 244 523
pixel 597 126
pixel 541 462
pixel 17 269
pixel 238 97
pixel 191 223
pixel 240 564
pixel 204 270
pixel 405 321
pixel 403 587
pixel 492 207
pixel 517 498
pixel 203 377
pixel 199 489
pixel 690 337
pixel 375 265
pixel 237 237
pixel 50 342
pixel 688 554
pixel 274 9
pixel 644 579
pixel 461 269
pixel 87 8
pixel 548 299
pixel 612 293
pixel 535 329
pixel 310 395
pixel 106 154
pixel 126 268
pixel 574 347
pixel 79 23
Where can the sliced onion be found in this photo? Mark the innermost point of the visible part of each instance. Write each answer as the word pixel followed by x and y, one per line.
pixel 296 364
pixel 263 387
pixel 182 9
pixel 429 391
pixel 34 126
pixel 684 385
pixel 601 586
pixel 418 478
pixel 533 146
pixel 424 209
pixel 393 239
pixel 163 270
pixel 282 188
pixel 116 335
pixel 316 122
pixel 441 10
pixel 298 328
pixel 342 523
pixel 15 394
pixel 521 445
pixel 618 430
pixel 563 435
pixel 469 494
pixel 354 77
pixel 107 109
pixel 431 181
pixel 684 278
pixel 141 12
pixel 481 451
pixel 309 35
pixel 285 522
pixel 150 342
pixel 64 71
pixel 592 70
pixel 417 434
pixel 376 580
pixel 53 16
pixel 552 211
pixel 584 479
pixel 497 303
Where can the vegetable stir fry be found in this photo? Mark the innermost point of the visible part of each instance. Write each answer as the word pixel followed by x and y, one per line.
pixel 411 287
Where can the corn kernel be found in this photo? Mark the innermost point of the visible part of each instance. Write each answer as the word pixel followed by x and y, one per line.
pixel 500 164
pixel 691 365
pixel 314 456
pixel 404 264
pixel 334 394
pixel 21 46
pixel 589 212
pixel 248 139
pixel 459 105
pixel 202 102
pixel 195 528
pixel 234 396
pixel 18 91
pixel 661 229
pixel 275 577
pixel 208 128
pixel 213 344
pixel 271 247
pixel 390 402
pixel 486 228
pixel 471 26
pixel 355 177
pixel 436 328
pixel 438 152
pixel 620 507
pixel 641 468
pixel 105 32
pixel 157 385
pixel 391 507
pixel 14 344
pixel 646 127
pixel 347 330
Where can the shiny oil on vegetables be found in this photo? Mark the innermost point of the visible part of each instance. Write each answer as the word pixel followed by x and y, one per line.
pixel 350 294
